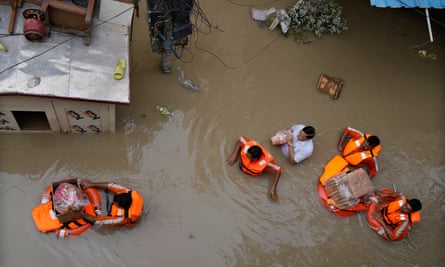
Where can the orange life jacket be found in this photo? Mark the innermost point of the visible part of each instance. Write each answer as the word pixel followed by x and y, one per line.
pixel 133 213
pixel 355 157
pixel 353 147
pixel 392 215
pixel 335 166
pixel 45 217
pixel 254 168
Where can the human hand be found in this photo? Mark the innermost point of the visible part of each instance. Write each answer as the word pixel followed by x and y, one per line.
pixel 340 150
pixel 371 197
pixel 289 137
pixel 378 193
pixel 84 183
pixel 381 194
pixel 231 160
pixel 273 195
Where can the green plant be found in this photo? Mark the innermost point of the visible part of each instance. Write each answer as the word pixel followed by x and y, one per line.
pixel 317 16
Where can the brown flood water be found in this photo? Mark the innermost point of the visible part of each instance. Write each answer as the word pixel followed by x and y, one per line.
pixel 201 212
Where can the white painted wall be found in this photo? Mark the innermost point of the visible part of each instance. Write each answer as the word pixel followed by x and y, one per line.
pixel 66 116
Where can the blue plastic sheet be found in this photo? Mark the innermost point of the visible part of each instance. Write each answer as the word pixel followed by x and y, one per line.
pixel 409 3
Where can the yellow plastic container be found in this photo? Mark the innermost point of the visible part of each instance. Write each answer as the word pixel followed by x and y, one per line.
pixel 119 71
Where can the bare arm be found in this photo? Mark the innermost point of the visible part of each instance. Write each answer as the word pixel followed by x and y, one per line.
pixel 342 141
pixel 84 183
pixel 290 147
pixel 385 227
pixel 273 189
pixel 234 157
pixel 382 194
pixel 393 234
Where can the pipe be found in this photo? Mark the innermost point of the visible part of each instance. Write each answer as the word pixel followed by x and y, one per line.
pixel 427 13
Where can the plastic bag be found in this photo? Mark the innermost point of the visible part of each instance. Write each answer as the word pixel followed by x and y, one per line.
pixel 187 84
pixel 68 197
pixel 279 138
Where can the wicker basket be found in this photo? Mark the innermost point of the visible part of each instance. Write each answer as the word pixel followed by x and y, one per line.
pixel 346 188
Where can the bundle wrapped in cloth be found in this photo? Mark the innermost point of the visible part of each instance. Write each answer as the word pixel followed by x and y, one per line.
pixel 68 197
pixel 331 86
pixel 346 189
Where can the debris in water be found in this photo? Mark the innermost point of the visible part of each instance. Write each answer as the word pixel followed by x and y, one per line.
pixel 187 84
pixel 164 111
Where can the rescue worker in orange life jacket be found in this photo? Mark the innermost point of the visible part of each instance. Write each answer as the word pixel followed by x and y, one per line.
pixel 397 216
pixel 127 204
pixel 255 159
pixel 359 149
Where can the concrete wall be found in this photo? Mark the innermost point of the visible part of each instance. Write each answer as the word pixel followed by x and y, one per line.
pixel 39 114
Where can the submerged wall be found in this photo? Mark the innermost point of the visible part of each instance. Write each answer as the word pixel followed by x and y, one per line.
pixel 38 114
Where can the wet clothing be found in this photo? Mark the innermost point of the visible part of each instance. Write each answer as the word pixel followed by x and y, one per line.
pixel 120 216
pixel 398 221
pixel 355 156
pixel 255 168
pixel 302 149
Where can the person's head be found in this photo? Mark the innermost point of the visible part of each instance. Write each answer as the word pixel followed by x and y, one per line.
pixel 411 205
pixel 254 152
pixel 123 200
pixel 371 142
pixel 308 132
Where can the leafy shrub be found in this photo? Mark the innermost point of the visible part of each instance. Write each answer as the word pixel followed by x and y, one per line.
pixel 317 16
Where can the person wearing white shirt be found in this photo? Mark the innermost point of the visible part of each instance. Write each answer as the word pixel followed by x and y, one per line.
pixel 298 145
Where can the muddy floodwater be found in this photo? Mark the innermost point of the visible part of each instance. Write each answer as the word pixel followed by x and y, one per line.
pixel 201 212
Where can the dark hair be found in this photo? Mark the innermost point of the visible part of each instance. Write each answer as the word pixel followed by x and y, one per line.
pixel 123 200
pixel 255 152
pixel 309 131
pixel 415 204
pixel 373 141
